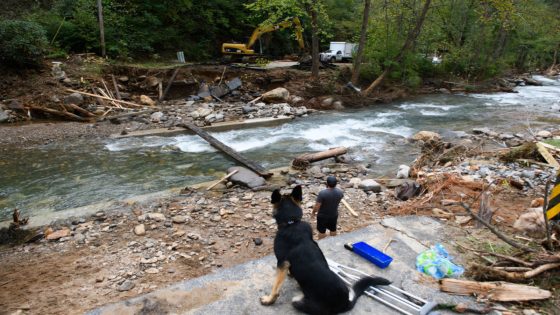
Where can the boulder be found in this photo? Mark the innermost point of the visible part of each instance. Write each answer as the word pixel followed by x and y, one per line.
pixel 355 182
pixel 146 100
pixel 245 177
pixel 403 172
pixel 58 234
pixel 152 81
pixel 139 230
pixel 278 95
pixel 370 185
pixel 4 117
pixel 74 98
pixel 156 117
pixel 531 222
pixel 327 102
pixel 426 135
pixel 337 105
pixel 544 134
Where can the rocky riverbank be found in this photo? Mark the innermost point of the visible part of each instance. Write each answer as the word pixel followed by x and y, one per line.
pixel 85 262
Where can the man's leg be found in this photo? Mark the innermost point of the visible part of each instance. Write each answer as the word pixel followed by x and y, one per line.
pixel 332 226
pixel 321 228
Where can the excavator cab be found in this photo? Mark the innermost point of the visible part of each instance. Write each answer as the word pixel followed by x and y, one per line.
pixel 241 50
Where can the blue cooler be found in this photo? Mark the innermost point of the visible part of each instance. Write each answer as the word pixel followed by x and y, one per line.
pixel 370 253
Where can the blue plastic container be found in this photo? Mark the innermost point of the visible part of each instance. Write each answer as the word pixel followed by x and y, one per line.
pixel 372 254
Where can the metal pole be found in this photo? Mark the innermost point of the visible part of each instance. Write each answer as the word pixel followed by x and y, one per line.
pixel 101 28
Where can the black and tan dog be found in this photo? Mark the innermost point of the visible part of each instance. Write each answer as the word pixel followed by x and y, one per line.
pixel 324 292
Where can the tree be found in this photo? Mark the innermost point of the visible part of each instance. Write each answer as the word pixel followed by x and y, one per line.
pixel 411 38
pixel 362 43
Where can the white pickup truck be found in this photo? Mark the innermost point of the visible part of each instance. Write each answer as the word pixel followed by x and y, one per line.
pixel 339 52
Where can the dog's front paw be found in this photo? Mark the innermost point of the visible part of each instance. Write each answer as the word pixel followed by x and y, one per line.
pixel 268 299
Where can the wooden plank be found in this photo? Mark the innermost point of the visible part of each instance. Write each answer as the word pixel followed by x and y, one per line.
pixel 349 208
pixel 162 97
pixel 547 156
pixel 115 85
pixel 106 98
pixel 549 146
pixel 229 151
pixel 494 291
pixel 222 179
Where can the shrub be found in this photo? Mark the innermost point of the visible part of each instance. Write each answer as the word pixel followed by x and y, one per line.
pixel 23 43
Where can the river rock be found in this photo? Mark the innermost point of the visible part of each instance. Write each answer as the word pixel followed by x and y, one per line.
pixel 140 230
pixel 403 171
pixel 327 102
pixel 146 100
pixel 74 98
pixel 126 286
pixel 530 222
pixel 245 177
pixel 156 117
pixel 79 238
pixel 544 134
pixel 277 95
pixel 370 185
pixel 480 131
pixel 295 100
pixel 151 270
pixel 58 234
pixel 426 136
pixel 156 216
pixel 179 219
pixel 152 81
pixel 355 182
pixel 4 117
pixel 337 105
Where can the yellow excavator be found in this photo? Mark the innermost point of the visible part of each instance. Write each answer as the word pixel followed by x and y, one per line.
pixel 241 50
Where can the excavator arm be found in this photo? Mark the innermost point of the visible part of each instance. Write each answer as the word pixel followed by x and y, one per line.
pixel 246 49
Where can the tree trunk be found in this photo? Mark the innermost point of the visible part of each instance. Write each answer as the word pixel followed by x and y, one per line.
pixel 101 27
pixel 305 159
pixel 412 35
pixel 314 41
pixel 362 44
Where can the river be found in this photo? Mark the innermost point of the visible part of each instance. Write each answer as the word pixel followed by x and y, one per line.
pixel 59 176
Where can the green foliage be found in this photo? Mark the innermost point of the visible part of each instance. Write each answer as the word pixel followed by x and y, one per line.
pixel 23 43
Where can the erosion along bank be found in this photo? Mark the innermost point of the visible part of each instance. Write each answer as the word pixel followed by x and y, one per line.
pixel 88 261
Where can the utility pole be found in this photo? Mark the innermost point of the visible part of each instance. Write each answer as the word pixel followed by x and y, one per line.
pixel 101 28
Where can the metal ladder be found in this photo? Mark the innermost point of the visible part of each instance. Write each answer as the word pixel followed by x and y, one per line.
pixel 400 302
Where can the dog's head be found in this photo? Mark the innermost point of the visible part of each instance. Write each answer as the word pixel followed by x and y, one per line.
pixel 287 207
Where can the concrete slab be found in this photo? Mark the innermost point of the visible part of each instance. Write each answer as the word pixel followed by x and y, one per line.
pixel 237 290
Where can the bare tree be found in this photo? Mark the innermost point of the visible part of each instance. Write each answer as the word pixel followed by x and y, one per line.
pixel 314 40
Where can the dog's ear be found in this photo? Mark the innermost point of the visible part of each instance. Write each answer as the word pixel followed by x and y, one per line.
pixel 297 194
pixel 276 196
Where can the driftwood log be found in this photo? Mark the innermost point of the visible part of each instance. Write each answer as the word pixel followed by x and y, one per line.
pixel 304 160
pixel 74 107
pixel 253 166
pixel 494 291
pixel 58 113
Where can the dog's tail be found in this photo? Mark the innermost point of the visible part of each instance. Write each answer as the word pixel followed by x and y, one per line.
pixel 362 285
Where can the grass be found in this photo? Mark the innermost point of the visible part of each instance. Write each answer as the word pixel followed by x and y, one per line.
pixel 553 142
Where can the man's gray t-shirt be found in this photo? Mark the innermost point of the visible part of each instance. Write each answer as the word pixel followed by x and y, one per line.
pixel 329 200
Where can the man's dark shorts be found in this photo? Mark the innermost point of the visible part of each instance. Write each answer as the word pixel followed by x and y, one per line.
pixel 324 223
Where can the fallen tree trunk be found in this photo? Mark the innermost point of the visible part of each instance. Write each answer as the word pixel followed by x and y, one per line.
pixel 304 160
pixel 79 110
pixel 494 291
pixel 58 113
pixel 227 150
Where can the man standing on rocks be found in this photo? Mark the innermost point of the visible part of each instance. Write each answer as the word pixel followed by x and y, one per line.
pixel 326 208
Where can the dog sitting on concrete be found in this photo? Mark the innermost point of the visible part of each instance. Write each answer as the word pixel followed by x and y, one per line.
pixel 296 251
